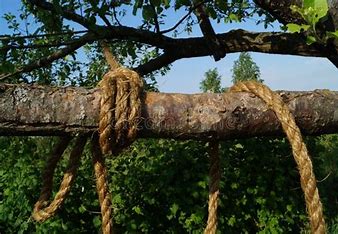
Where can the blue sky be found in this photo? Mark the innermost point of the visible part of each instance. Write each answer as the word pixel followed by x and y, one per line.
pixel 278 71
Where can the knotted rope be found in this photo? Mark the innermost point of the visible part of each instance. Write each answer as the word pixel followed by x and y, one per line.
pixel 299 150
pixel 119 117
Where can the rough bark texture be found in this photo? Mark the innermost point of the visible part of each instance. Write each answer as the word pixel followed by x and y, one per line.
pixel 37 110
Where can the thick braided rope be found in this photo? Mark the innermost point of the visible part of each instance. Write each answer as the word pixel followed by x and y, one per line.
pixel 102 186
pixel 300 153
pixel 120 109
pixel 120 113
pixel 214 180
pixel 41 211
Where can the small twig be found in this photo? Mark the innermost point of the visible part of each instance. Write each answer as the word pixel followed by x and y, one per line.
pixel 104 18
pixel 115 17
pixel 70 15
pixel 327 176
pixel 157 25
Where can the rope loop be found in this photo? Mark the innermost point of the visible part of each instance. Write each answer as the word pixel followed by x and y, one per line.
pixel 120 111
pixel 41 211
pixel 299 150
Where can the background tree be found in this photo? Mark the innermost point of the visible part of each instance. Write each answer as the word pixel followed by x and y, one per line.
pixel 211 82
pixel 245 69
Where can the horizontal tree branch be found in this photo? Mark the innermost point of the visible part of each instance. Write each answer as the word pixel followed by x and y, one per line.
pixel 233 41
pixel 266 42
pixel 39 110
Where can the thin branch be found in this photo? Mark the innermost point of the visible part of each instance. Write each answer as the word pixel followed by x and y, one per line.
pixel 36 46
pixel 115 17
pixel 15 38
pixel 234 41
pixel 183 18
pixel 104 18
pixel 157 25
pixel 50 58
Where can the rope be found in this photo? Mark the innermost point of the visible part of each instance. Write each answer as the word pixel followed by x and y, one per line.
pixel 300 153
pixel 119 115
pixel 120 107
pixel 102 186
pixel 214 180
pixel 41 211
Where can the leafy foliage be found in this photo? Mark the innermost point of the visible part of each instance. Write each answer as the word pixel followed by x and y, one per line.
pixel 312 11
pixel 161 186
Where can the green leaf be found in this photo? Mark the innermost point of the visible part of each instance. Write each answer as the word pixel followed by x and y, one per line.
pixel 138 4
pixel 333 34
pixel 234 17
pixel 174 209
pixel 297 28
pixel 310 40
pixel 308 3
pixel 97 221
pixel 320 7
pixel 137 210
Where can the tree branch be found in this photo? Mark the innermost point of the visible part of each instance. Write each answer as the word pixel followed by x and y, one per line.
pixel 214 44
pixel 163 42
pixel 32 36
pixel 30 110
pixel 233 41
pixel 70 15
pixel 156 64
pixel 51 58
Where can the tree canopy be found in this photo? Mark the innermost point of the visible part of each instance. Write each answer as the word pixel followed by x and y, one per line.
pixel 58 29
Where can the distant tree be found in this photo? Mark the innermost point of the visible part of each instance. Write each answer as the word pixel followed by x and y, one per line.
pixel 211 82
pixel 245 69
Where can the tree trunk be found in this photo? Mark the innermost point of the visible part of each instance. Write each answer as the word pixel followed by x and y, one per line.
pixel 41 110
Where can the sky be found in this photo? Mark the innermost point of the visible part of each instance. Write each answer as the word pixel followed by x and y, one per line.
pixel 279 72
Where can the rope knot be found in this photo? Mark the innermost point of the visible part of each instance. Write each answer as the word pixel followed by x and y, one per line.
pixel 120 109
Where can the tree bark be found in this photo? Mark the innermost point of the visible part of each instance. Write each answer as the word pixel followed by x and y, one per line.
pixel 41 110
